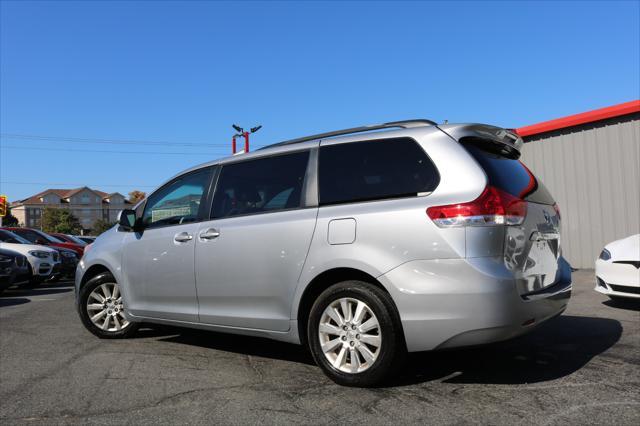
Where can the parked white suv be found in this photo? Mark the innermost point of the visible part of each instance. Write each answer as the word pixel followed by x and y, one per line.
pixel 362 246
pixel 42 260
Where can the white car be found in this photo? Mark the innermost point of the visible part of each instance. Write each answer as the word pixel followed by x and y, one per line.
pixel 618 268
pixel 41 259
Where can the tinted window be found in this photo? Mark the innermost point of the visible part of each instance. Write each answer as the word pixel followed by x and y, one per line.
pixel 53 239
pixel 75 240
pixel 510 175
pixel 374 170
pixel 31 235
pixel 260 186
pixel 10 237
pixel 177 202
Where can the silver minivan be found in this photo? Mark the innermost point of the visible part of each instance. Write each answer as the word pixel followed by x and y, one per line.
pixel 363 244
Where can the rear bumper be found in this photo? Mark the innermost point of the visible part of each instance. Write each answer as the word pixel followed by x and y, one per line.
pixel 463 302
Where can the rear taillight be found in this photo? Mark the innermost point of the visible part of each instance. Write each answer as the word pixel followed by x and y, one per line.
pixel 492 207
pixel 557 209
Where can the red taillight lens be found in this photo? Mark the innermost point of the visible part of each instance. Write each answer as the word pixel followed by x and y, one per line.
pixel 557 209
pixel 492 207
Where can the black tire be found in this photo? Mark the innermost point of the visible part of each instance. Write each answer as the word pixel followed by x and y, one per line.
pixel 392 350
pixel 34 280
pixel 85 291
pixel 54 278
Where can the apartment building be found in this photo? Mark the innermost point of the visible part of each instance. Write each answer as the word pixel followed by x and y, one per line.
pixel 85 203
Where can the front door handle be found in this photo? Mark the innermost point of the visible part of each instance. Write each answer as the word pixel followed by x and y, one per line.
pixel 209 234
pixel 182 237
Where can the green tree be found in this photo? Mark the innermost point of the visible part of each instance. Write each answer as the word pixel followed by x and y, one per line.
pixel 9 219
pixel 100 226
pixel 60 220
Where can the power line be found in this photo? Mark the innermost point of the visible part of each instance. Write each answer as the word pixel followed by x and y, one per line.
pixel 101 140
pixel 102 151
pixel 79 184
pixel 20 136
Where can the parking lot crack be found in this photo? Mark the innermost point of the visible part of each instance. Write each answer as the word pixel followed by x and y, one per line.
pixel 254 366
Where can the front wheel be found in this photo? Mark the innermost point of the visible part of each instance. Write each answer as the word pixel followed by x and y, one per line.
pixel 101 308
pixel 33 281
pixel 355 335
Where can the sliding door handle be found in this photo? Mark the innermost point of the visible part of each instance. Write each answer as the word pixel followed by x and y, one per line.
pixel 182 237
pixel 209 234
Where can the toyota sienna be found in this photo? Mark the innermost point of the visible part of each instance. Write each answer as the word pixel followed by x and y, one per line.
pixel 363 244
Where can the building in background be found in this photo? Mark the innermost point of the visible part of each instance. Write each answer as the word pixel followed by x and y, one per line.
pixel 87 204
pixel 590 162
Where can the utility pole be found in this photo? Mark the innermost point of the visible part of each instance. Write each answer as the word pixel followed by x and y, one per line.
pixel 242 134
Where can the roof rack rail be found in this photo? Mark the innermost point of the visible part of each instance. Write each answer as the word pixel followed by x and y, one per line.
pixel 405 124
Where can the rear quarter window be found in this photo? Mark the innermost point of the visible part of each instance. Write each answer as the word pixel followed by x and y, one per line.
pixel 374 170
pixel 510 175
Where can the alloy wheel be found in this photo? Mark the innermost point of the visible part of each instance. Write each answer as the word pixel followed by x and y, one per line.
pixel 350 335
pixel 105 309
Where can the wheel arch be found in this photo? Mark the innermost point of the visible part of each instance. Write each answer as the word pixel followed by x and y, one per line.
pixel 325 280
pixel 93 271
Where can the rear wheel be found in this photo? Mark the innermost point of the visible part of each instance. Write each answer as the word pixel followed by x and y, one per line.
pixel 101 308
pixel 354 334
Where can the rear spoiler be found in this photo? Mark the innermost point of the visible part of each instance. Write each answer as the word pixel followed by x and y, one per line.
pixel 507 140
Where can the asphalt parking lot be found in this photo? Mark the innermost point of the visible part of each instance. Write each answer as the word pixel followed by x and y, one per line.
pixel 580 368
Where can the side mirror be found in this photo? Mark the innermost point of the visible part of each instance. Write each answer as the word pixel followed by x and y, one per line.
pixel 41 242
pixel 127 219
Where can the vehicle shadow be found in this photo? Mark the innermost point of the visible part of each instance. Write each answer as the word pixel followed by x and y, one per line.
pixel 557 349
pixel 40 290
pixel 12 302
pixel 626 304
pixel 245 345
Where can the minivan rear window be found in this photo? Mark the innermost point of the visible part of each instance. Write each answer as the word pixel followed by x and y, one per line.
pixel 510 175
pixel 374 170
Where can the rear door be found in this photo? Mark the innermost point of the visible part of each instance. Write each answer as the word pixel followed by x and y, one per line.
pixel 532 249
pixel 250 253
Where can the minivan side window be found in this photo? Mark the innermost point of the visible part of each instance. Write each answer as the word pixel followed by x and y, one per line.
pixel 178 202
pixel 374 170
pixel 260 186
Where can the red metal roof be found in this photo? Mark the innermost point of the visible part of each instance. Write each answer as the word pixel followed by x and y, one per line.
pixel 582 118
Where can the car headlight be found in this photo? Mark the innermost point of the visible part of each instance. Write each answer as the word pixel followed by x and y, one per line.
pixel 68 254
pixel 39 254
pixel 605 254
